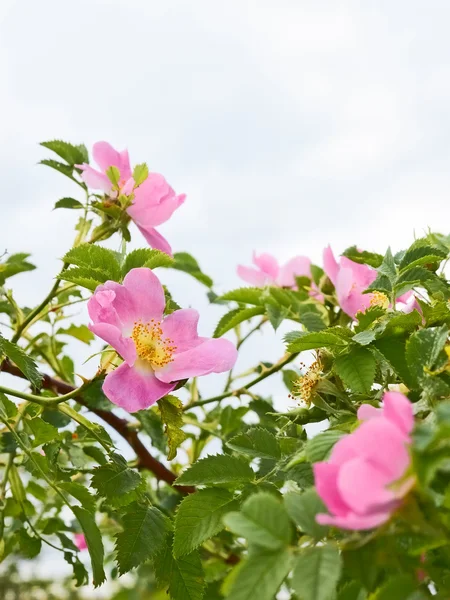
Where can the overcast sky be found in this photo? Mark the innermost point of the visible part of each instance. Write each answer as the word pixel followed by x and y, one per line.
pixel 289 124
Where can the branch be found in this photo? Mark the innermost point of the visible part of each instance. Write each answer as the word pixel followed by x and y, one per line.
pixel 146 460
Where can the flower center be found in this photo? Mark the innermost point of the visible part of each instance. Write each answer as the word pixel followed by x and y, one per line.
pixel 151 346
pixel 379 299
pixel 303 388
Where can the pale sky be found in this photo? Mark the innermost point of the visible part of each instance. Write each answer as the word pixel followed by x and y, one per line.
pixel 289 125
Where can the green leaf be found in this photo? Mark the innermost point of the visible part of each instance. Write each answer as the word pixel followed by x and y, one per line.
pixel 388 267
pixel 96 259
pixel 73 155
pixel 183 575
pixel 23 362
pixel 276 315
pixel 423 348
pixel 153 427
pixel 113 174
pixel 17 488
pixel 263 520
pixel 316 573
pixel 319 447
pixel 260 576
pixel 66 170
pixel 81 493
pixel 79 332
pixel 199 517
pixel 187 263
pixel 84 277
pixel 43 432
pixel 409 278
pixel 246 295
pixel 115 479
pixel 216 470
pixel 299 341
pixel 94 542
pixel 140 174
pixel 68 203
pixel 14 264
pixel 146 257
pixel 368 258
pixel 400 586
pixel 393 350
pixel 421 252
pixel 357 369
pixel 8 409
pixel 30 546
pixel 303 508
pixel 256 442
pixel 235 317
pixel 172 416
pixel 143 536
pixel 381 284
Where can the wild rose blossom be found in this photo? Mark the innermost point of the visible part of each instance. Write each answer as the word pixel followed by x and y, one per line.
pixel 363 482
pixel 267 271
pixel 154 200
pixel 80 541
pixel 157 351
pixel 350 280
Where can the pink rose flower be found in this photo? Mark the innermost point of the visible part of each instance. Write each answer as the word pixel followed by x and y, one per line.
pixel 269 272
pixel 363 482
pixel 350 280
pixel 154 200
pixel 407 302
pixel 80 541
pixel 157 351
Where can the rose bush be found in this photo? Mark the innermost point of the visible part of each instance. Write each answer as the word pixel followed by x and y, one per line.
pixel 344 496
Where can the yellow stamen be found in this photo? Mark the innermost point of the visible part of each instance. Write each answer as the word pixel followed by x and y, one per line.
pixel 379 299
pixel 151 346
pixel 303 387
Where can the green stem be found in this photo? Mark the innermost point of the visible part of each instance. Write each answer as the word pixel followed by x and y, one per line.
pixel 267 373
pixel 238 345
pixel 41 400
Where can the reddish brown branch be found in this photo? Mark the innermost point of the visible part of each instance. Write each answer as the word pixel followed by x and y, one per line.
pixel 146 460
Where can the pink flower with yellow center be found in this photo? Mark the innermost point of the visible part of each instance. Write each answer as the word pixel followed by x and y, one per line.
pixel 157 351
pixel 365 478
pixel 154 200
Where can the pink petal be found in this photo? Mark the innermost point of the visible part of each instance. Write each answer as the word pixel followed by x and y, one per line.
pixel 134 388
pixel 398 410
pixel 94 179
pixel 363 487
pixel 326 477
pixel 363 275
pixel 252 276
pixel 154 202
pixel 367 411
pixel 113 336
pixel 354 522
pixel 330 265
pixel 407 303
pixel 181 327
pixel 80 541
pixel 380 442
pixel 268 264
pixel 156 240
pixel 105 156
pixel 147 294
pixel 114 304
pixel 298 266
pixel 211 356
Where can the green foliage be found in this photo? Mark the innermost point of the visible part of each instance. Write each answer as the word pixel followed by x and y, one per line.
pixel 68 203
pixel 357 369
pixel 187 263
pixel 145 257
pixel 235 317
pixel 217 470
pixel 22 360
pixel 316 573
pixel 172 417
pixel 143 536
pixel 93 265
pixel 256 442
pixel 263 521
pixel 94 543
pixel 199 518
pixel 183 576
pixel 303 508
pixel 14 264
pixel 73 155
